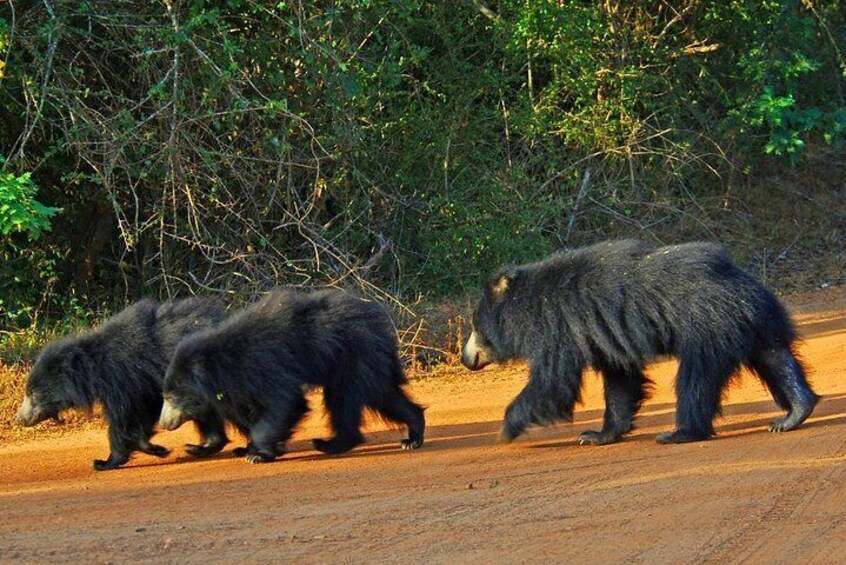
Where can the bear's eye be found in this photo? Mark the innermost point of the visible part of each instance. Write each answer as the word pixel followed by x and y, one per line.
pixel 481 338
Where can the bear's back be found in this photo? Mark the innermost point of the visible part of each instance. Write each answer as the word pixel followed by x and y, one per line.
pixel 177 319
pixel 127 331
pixel 633 262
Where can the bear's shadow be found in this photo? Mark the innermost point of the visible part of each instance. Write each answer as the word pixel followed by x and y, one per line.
pixel 831 411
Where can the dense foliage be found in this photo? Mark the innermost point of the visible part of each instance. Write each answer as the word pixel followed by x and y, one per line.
pixel 20 213
pixel 401 146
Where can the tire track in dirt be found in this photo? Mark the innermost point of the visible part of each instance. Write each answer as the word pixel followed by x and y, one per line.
pixel 797 500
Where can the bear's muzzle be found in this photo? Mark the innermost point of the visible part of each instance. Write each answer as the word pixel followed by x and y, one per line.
pixel 475 355
pixel 171 416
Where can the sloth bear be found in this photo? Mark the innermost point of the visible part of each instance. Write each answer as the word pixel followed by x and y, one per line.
pixel 618 305
pixel 122 365
pixel 254 368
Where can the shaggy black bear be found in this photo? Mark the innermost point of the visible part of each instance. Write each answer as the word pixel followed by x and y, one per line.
pixel 616 306
pixel 253 369
pixel 122 365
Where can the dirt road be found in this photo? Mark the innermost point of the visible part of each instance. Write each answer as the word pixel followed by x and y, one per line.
pixel 747 496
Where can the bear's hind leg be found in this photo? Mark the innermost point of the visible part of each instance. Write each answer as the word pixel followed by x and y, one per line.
pixel 212 435
pixel 785 378
pixel 345 416
pixel 397 407
pixel 153 449
pixel 625 390
pixel 147 429
pixel 270 434
pixel 699 386
pixel 114 461
pixel 547 398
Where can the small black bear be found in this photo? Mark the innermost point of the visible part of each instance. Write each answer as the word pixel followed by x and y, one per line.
pixel 122 364
pixel 253 369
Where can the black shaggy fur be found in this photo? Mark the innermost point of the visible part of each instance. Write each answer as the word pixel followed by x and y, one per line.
pixel 617 306
pixel 122 365
pixel 254 367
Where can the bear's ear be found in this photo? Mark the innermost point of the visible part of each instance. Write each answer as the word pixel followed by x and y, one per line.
pixel 501 282
pixel 500 286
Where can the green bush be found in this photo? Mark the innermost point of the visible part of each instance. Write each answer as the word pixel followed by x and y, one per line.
pixel 20 212
pixel 400 146
pixel 26 269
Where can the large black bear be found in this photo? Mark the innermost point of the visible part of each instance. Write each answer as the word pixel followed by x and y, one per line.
pixel 253 369
pixel 122 365
pixel 616 306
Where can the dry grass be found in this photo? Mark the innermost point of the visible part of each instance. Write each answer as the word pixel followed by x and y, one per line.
pixel 12 387
pixel 791 228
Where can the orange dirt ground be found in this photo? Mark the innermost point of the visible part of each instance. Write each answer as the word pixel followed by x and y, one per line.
pixel 746 496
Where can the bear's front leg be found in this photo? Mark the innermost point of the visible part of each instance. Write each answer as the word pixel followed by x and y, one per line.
pixel 625 390
pixel 242 451
pixel 270 434
pixel 265 443
pixel 547 398
pixel 517 419
pixel 212 432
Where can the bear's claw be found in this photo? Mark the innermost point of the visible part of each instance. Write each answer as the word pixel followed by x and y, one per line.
pixel 591 437
pixel 409 444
